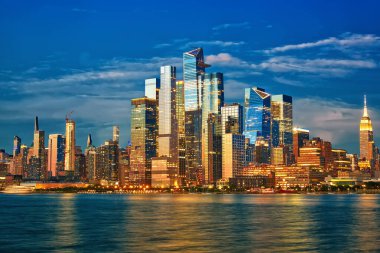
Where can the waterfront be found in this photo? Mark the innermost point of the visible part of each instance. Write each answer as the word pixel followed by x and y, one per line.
pixel 189 223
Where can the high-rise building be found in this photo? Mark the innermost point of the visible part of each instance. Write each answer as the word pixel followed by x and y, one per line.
pixel 167 131
pixel 116 134
pixel 143 138
pixel 367 144
pixel 90 155
pixel 180 106
pixel 56 154
pixel 282 121
pixel 233 160
pixel 168 126
pixel 232 119
pixel 213 160
pixel 233 140
pixel 38 140
pixel 212 101
pixel 16 145
pixel 107 161
pixel 300 137
pixel 70 146
pixel 152 88
pixel 257 114
pixel 193 67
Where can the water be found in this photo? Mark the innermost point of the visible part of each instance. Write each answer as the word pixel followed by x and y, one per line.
pixel 189 223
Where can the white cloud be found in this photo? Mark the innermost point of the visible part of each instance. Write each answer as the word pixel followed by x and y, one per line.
pixel 225 59
pixel 346 40
pixel 243 25
pixel 332 120
pixel 218 43
pixel 324 67
pixel 287 81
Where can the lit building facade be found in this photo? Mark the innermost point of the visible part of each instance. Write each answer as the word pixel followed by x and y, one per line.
pixel 212 101
pixel 367 144
pixel 300 137
pixel 16 145
pixel 152 88
pixel 143 139
pixel 257 114
pixel 56 154
pixel 70 146
pixel 180 110
pixel 193 67
pixel 116 134
pixel 282 125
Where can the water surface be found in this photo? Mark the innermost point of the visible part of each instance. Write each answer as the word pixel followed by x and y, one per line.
pixel 189 223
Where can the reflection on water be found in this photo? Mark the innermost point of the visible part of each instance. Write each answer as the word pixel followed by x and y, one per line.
pixel 189 223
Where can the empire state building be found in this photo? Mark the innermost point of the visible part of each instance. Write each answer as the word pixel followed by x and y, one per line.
pixel 367 144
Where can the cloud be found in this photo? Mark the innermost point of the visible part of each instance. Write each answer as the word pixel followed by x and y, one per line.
pixel 224 59
pixel 218 43
pixel 99 96
pixel 345 41
pixel 323 67
pixel 289 82
pixel 332 120
pixel 243 25
pixel 162 45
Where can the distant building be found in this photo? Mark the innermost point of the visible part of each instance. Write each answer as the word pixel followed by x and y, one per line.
pixel 367 144
pixel 183 173
pixel 300 136
pixel 116 134
pixel 56 154
pixel 70 146
pixel 16 145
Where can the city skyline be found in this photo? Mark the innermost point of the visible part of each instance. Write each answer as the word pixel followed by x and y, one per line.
pixel 326 69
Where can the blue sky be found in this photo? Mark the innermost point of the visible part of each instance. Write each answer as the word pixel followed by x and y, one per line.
pixel 92 57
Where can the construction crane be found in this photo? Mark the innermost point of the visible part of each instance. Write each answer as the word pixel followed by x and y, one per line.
pixel 68 115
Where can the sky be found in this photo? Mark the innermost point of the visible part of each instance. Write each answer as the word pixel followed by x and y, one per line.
pixel 92 57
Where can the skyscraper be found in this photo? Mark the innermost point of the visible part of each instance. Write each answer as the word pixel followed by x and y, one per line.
pixel 56 154
pixel 38 140
pixel 257 114
pixel 193 67
pixel 212 101
pixel 233 141
pixel 16 145
pixel 39 161
pixel 116 134
pixel 168 126
pixel 152 88
pixel 70 146
pixel 300 136
pixel 180 106
pixel 167 131
pixel 282 120
pixel 143 138
pixel 367 144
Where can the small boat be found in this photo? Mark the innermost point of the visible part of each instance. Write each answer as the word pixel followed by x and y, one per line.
pixel 267 191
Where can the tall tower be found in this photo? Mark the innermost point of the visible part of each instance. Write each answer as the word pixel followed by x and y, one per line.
pixel 212 101
pixel 56 154
pixel 16 145
pixel 193 67
pixel 367 144
pixel 70 145
pixel 257 114
pixel 38 140
pixel 116 134
pixel 143 138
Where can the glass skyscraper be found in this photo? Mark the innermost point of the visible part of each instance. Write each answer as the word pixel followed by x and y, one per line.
pixel 212 101
pixel 193 67
pixel 180 107
pixel 282 120
pixel 257 116
pixel 143 138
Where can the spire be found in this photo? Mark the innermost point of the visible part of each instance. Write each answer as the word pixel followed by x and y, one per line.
pixel 36 124
pixel 365 111
pixel 89 140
